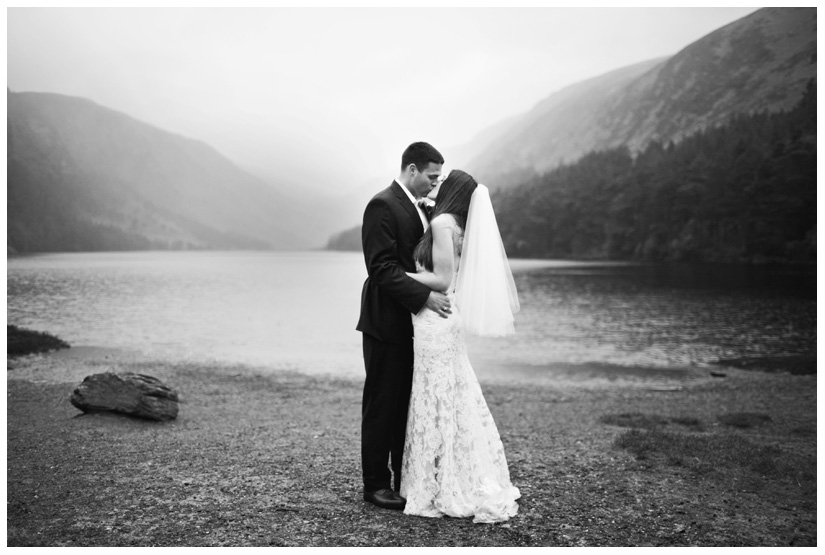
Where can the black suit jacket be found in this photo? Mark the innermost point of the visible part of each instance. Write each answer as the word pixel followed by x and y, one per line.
pixel 389 234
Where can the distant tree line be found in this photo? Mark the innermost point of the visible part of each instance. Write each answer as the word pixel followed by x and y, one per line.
pixel 48 210
pixel 41 216
pixel 745 191
pixel 349 240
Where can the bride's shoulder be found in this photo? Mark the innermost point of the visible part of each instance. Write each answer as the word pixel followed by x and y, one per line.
pixel 444 220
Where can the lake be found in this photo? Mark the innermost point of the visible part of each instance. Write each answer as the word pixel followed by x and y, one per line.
pixel 298 310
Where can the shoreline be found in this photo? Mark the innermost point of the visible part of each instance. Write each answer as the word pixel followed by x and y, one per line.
pixel 69 364
pixel 271 457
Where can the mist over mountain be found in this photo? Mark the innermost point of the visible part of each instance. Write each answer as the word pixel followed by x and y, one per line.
pixel 706 155
pixel 84 177
pixel 762 62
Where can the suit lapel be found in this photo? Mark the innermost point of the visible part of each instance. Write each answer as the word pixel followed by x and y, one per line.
pixel 404 200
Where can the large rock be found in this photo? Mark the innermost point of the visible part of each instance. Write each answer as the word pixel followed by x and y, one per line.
pixel 127 393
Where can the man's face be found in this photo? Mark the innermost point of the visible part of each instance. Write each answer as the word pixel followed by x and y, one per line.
pixel 422 182
pixel 434 192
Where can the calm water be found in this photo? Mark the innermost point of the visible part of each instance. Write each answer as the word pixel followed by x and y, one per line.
pixel 298 310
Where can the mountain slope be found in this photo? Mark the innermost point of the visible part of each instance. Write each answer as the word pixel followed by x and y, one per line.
pixel 84 177
pixel 761 62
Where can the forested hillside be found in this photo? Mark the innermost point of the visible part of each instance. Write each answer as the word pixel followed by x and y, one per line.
pixel 745 191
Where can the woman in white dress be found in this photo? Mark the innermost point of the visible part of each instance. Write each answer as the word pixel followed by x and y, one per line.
pixel 454 461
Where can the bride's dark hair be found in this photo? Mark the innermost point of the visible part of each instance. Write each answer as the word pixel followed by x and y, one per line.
pixel 453 197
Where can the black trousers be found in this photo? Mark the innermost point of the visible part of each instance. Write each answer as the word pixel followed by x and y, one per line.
pixel 384 407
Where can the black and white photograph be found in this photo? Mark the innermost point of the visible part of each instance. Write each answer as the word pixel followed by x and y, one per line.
pixel 423 276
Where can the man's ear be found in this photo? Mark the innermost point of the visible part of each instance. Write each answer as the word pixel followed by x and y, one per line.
pixel 411 168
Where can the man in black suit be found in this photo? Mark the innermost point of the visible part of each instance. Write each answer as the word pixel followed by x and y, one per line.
pixel 393 225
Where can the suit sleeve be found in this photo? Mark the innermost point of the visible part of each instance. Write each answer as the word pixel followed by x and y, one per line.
pixel 378 237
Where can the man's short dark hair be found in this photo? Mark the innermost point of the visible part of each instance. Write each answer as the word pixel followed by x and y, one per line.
pixel 421 154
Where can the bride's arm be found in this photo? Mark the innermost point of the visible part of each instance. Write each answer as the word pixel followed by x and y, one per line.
pixel 443 258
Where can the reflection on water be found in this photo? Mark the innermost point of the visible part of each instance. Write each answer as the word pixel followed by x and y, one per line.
pixel 663 316
pixel 300 309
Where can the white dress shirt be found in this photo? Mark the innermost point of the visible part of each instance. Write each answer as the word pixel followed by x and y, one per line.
pixel 413 200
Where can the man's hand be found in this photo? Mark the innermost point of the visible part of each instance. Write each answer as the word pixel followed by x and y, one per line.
pixel 438 303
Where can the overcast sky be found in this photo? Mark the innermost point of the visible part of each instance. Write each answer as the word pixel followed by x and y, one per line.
pixel 333 95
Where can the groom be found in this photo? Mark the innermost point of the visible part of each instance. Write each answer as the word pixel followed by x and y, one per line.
pixel 393 225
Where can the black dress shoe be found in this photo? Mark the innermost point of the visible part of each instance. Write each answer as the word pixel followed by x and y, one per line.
pixel 386 499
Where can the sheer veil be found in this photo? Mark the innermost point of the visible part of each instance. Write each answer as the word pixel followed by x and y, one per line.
pixel 485 291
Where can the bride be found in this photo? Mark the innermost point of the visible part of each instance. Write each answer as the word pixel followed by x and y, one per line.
pixel 454 461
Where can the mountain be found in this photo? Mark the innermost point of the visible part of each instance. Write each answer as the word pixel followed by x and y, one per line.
pixel 762 62
pixel 84 177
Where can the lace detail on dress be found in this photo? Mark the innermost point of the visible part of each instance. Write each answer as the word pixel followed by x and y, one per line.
pixel 454 461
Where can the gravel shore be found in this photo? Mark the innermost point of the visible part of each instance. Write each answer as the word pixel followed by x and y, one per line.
pixel 262 458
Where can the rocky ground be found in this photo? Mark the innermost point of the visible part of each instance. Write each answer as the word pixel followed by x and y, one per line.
pixel 272 459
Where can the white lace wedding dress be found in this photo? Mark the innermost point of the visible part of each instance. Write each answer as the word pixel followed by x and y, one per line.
pixel 454 461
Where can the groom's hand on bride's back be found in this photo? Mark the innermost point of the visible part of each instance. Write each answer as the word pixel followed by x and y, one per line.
pixel 438 303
